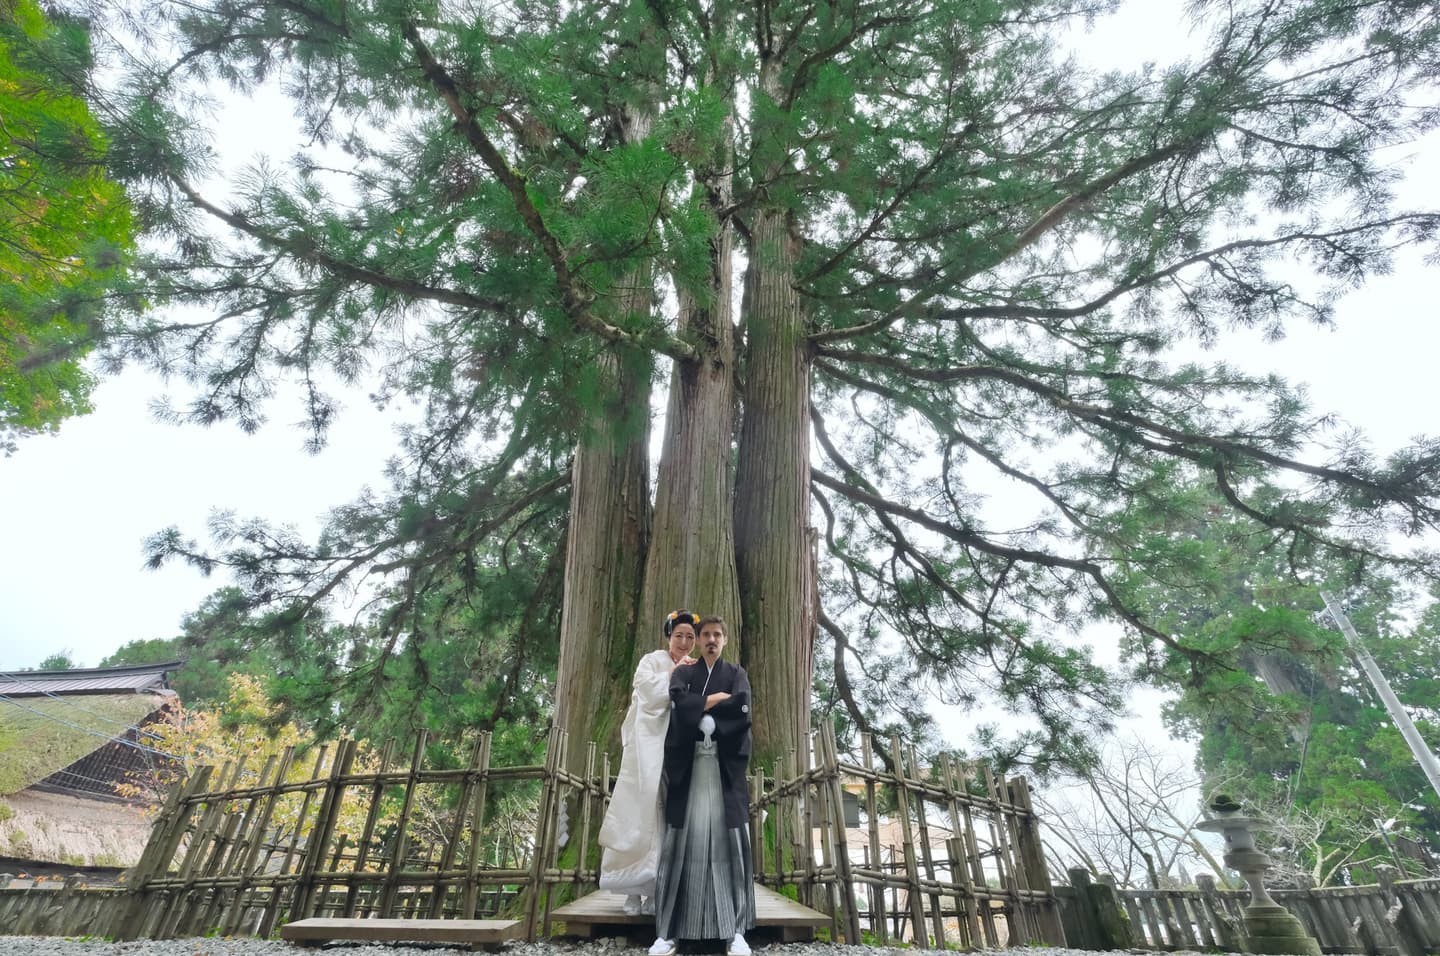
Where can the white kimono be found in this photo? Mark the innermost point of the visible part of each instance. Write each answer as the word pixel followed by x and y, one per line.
pixel 633 828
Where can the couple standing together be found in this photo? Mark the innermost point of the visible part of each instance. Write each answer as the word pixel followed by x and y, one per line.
pixel 677 832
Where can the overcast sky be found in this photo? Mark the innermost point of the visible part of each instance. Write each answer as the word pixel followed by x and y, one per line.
pixel 78 505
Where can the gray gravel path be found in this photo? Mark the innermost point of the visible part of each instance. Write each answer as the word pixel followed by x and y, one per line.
pixel 56 946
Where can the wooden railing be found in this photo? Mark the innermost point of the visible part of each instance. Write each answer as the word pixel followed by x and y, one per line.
pixel 1399 917
pixel 947 855
pixel 54 907
pixel 968 869
pixel 216 862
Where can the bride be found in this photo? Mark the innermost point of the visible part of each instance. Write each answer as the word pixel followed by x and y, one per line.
pixel 631 833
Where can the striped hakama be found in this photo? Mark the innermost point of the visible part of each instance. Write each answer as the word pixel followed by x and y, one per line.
pixel 705 887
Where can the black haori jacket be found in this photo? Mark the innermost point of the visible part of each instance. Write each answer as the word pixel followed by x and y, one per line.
pixel 732 738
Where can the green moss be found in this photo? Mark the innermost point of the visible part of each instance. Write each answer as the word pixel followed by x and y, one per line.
pixel 43 736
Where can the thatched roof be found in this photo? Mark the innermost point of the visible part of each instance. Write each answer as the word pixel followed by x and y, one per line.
pixel 41 735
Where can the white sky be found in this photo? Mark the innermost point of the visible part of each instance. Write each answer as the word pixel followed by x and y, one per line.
pixel 77 506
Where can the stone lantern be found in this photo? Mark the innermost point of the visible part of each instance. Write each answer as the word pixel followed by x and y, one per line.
pixel 1269 927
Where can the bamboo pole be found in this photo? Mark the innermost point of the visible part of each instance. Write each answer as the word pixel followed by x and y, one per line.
pixel 201 917
pixel 977 865
pixel 586 797
pixel 165 838
pixel 542 829
pixel 477 826
pixel 272 906
pixel 174 908
pixel 457 829
pixel 401 844
pixel 842 849
pixel 961 870
pixel 247 850
pixel 552 856
pixel 912 868
pixel 805 824
pixel 818 797
pixel 757 828
pixel 877 896
pixel 367 834
pixel 326 817
pixel 780 817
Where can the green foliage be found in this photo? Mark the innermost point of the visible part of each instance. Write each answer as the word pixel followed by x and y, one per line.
pixel 218 639
pixel 1000 259
pixel 474 672
pixel 59 661
pixel 66 227
pixel 1283 717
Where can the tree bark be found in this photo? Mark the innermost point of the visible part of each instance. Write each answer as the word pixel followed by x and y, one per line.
pixel 605 558
pixel 610 525
pixel 772 497
pixel 611 516
pixel 691 559
pixel 692 551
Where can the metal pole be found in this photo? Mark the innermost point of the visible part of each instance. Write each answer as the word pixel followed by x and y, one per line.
pixel 1424 756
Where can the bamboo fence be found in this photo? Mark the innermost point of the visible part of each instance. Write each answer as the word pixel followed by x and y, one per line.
pixel 968 871
pixel 1393 917
pixel 237 852
pixel 215 862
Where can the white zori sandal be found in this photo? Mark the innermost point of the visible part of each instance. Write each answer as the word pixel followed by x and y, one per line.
pixel 632 905
pixel 738 946
pixel 662 947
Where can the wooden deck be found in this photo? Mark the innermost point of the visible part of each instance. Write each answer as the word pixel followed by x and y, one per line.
pixel 479 933
pixel 602 914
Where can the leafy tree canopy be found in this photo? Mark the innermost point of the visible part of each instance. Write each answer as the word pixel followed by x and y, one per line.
pixel 966 260
pixel 65 227
pixel 477 678
pixel 59 661
pixel 1289 723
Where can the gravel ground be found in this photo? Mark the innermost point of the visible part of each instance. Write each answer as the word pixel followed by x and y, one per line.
pixel 57 946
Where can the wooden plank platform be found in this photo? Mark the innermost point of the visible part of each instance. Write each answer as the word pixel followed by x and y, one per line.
pixel 602 914
pixel 477 932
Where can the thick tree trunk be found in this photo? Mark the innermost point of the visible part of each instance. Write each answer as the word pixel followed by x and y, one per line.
pixel 605 558
pixel 692 550
pixel 772 496
pixel 610 515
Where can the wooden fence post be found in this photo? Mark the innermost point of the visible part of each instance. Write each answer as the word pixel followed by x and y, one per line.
pixel 1421 900
pixel 842 850
pixel 912 868
pixel 542 832
pixel 158 854
pixel 1225 929
pixel 1032 860
pixel 1081 929
pixel 302 904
